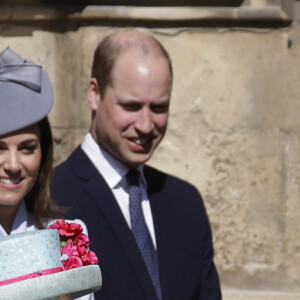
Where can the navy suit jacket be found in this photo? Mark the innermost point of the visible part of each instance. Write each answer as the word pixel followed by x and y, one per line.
pixel 182 230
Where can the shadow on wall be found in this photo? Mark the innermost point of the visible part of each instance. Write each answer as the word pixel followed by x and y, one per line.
pixel 150 2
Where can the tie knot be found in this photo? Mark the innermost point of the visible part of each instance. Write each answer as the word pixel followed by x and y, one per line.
pixel 132 177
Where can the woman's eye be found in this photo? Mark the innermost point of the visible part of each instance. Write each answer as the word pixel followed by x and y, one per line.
pixel 29 149
pixel 2 147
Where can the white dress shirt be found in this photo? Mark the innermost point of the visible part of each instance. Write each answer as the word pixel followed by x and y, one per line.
pixel 114 173
pixel 24 222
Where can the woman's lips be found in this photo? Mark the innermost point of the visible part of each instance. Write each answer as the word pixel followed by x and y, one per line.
pixel 10 181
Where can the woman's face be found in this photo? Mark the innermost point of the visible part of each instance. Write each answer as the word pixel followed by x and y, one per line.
pixel 20 159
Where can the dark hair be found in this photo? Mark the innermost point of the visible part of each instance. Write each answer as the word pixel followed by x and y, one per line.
pixel 38 200
pixel 109 49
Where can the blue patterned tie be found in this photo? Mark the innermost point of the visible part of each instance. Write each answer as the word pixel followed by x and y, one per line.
pixel 140 231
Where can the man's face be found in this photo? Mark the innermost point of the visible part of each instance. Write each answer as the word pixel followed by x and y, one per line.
pixel 131 119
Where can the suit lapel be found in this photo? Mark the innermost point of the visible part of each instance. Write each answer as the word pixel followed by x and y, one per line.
pixel 99 192
pixel 160 205
pixel 161 208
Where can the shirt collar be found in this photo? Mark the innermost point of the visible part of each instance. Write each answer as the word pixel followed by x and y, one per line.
pixel 110 168
pixel 20 223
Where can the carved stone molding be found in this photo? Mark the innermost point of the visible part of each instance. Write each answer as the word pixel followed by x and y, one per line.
pixel 275 13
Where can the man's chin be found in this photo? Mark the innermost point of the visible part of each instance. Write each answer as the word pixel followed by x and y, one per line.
pixel 137 159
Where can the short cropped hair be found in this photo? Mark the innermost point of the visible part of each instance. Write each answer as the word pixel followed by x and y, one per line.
pixel 110 48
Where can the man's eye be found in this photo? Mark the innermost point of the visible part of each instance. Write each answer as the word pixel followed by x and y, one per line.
pixel 159 109
pixel 131 107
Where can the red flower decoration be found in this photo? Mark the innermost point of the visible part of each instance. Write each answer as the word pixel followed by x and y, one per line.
pixel 74 244
pixel 70 249
pixel 76 229
pixel 72 262
pixel 67 229
pixel 90 258
pixel 82 243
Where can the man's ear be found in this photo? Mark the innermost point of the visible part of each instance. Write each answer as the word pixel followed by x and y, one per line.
pixel 93 94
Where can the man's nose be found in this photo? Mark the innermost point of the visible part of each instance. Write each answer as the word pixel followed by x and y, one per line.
pixel 144 122
pixel 12 162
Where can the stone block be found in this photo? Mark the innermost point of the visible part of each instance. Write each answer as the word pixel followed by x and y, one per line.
pixel 258 295
pixel 292 207
pixel 70 109
pixel 65 141
pixel 291 78
pixel 230 78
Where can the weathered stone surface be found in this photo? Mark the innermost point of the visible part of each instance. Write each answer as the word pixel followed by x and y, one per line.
pixel 291 79
pixel 67 111
pixel 65 141
pixel 253 295
pixel 231 78
pixel 292 207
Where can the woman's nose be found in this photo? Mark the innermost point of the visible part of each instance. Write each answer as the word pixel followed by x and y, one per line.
pixel 12 162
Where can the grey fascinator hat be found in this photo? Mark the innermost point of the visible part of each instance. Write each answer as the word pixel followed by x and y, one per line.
pixel 26 94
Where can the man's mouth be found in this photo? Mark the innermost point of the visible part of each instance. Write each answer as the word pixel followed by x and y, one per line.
pixel 141 142
pixel 10 181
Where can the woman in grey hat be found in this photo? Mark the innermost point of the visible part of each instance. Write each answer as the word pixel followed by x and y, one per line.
pixel 26 147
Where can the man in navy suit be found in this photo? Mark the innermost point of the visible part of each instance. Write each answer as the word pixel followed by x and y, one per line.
pixel 129 95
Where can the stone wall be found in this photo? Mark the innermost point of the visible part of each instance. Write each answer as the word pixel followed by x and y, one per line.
pixel 234 132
